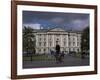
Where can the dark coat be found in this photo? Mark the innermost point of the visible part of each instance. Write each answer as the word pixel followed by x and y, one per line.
pixel 58 48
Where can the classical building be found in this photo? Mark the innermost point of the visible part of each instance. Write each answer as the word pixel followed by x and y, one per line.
pixel 46 40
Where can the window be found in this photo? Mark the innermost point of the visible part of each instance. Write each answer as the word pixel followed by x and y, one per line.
pixel 69 43
pixel 78 38
pixel 50 39
pixel 69 38
pixel 40 39
pixel 73 43
pixel 39 50
pixel 44 50
pixel 39 43
pixel 57 39
pixel 64 43
pixel 50 43
pixel 44 37
pixel 78 43
pixel 73 38
pixel 44 43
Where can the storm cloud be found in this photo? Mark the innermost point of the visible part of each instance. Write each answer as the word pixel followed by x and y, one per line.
pixel 69 21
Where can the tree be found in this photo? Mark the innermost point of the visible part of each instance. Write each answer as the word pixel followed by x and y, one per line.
pixel 85 39
pixel 28 40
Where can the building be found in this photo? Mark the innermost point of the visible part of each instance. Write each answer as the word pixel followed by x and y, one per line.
pixel 46 40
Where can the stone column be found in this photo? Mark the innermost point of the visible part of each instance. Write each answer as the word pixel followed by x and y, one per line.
pixel 36 43
pixel 47 43
pixel 53 40
pixel 61 41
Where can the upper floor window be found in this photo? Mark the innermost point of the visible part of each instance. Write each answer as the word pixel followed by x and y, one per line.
pixel 50 39
pixel 40 39
pixel 73 43
pixel 39 43
pixel 78 43
pixel 44 43
pixel 50 43
pixel 69 38
pixel 69 43
pixel 73 39
pixel 64 43
pixel 57 39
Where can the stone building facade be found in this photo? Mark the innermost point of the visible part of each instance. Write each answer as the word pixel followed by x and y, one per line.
pixel 46 40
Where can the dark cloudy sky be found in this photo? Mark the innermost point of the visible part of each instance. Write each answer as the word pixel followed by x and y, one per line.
pixel 69 21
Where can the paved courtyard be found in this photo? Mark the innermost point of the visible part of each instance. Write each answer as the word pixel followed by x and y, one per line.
pixel 67 61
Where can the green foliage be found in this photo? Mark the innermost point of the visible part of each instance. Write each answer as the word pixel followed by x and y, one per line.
pixel 28 40
pixel 85 39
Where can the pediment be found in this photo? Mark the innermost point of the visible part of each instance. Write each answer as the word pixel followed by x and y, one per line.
pixel 57 29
